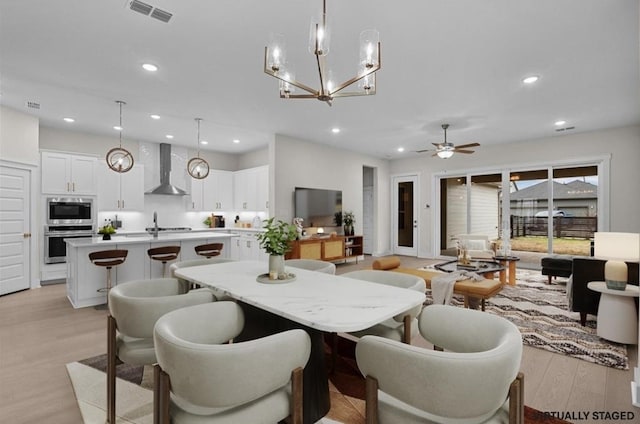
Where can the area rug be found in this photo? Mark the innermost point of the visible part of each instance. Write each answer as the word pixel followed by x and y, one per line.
pixel 135 399
pixel 542 314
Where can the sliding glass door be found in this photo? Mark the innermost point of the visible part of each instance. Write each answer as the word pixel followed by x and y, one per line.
pixel 533 211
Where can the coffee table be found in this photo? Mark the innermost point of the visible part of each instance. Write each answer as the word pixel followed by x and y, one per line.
pixel 510 262
pixel 483 267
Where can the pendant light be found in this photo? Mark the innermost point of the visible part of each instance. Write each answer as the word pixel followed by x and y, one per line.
pixel 197 167
pixel 119 159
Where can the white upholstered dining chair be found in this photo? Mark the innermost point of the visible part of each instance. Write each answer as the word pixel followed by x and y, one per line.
pixel 134 308
pixel 474 379
pixel 201 378
pixel 312 265
pixel 195 262
pixel 403 326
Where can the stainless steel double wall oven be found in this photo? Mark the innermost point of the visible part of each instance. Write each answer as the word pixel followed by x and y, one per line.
pixel 67 217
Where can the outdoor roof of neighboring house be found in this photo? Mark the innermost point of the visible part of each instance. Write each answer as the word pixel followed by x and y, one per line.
pixel 573 190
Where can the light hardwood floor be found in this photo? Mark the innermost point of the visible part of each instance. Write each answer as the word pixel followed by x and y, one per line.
pixel 40 332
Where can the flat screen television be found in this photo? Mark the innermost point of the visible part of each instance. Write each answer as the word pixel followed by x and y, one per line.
pixel 317 207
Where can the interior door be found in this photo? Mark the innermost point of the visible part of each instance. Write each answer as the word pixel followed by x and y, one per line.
pixel 15 235
pixel 405 215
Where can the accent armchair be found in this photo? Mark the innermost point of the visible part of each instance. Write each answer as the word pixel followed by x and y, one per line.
pixel 478 245
pixel 584 270
pixel 474 379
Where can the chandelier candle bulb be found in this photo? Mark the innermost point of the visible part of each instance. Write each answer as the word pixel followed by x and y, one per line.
pixel 369 40
pixel 278 52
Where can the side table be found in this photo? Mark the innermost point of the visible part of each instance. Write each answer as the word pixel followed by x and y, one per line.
pixel 617 315
pixel 508 262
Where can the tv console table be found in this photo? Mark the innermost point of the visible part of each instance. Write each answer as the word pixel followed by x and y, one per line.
pixel 327 248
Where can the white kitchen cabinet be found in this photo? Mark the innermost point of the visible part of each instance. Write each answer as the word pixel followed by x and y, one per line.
pixel 120 191
pixel 64 173
pixel 251 189
pixel 197 193
pixel 246 247
pixel 221 190
pixel 214 193
pixel 262 188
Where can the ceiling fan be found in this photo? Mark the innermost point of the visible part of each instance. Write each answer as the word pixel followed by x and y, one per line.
pixel 445 150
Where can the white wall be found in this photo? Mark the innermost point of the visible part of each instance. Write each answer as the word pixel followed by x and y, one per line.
pixel 622 144
pixel 18 137
pixel 253 159
pixel 305 164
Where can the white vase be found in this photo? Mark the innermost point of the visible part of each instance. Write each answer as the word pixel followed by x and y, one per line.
pixel 276 266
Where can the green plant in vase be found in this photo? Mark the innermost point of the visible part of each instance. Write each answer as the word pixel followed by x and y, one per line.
pixel 106 231
pixel 276 241
pixel 348 219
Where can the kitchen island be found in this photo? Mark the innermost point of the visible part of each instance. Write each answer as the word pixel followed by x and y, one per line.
pixel 85 279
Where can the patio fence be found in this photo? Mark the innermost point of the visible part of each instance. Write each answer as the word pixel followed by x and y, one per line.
pixel 563 227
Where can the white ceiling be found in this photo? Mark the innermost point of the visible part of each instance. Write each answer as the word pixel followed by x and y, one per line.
pixel 454 61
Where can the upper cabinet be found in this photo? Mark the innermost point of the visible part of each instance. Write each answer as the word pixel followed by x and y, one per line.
pixel 222 193
pixel 121 192
pixel 214 193
pixel 64 173
pixel 251 189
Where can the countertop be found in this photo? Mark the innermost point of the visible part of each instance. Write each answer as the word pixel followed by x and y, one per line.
pixel 131 238
pixel 223 230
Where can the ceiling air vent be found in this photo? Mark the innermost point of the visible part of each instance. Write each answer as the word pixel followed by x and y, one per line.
pixel 33 105
pixel 140 7
pixel 565 129
pixel 161 15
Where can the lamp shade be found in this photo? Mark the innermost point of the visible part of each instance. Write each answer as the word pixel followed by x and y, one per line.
pixel 619 246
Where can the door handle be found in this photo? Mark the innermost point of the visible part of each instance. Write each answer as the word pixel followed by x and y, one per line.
pixel 26 235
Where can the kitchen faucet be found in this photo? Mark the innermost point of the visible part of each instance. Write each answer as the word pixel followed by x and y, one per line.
pixel 155 224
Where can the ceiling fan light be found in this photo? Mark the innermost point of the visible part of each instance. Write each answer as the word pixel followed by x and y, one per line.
pixel 445 154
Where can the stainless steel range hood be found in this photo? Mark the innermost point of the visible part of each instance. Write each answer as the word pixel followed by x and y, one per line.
pixel 165 186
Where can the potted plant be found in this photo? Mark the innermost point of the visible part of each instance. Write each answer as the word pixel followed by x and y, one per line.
pixel 348 219
pixel 106 231
pixel 276 241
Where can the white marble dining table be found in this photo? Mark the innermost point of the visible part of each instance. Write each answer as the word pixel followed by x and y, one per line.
pixel 316 302
pixel 325 302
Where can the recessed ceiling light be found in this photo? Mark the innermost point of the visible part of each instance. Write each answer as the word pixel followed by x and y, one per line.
pixel 558 123
pixel 401 149
pixel 149 67
pixel 236 141
pixel 155 116
pixel 69 120
pixel 335 130
pixel 117 127
pixel 531 79
pixel 169 136
pixel 204 142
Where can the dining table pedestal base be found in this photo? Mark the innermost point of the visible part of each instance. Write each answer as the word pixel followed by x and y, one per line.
pixel 316 400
